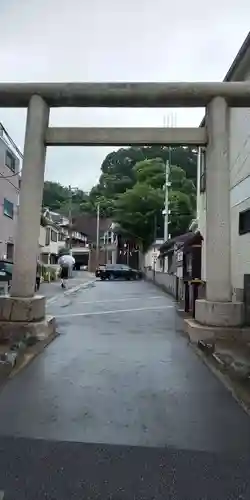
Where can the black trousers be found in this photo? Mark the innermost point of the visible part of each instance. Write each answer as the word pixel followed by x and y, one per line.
pixel 64 273
pixel 38 282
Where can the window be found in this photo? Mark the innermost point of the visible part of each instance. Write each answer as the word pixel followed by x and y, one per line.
pixel 10 251
pixel 53 235
pixel 61 237
pixel 10 161
pixel 203 171
pixel 244 222
pixel 47 237
pixel 8 208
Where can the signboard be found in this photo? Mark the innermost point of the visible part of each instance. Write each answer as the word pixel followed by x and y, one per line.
pixel 154 256
pixel 179 256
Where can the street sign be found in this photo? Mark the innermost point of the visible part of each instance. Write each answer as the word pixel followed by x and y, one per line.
pixel 179 256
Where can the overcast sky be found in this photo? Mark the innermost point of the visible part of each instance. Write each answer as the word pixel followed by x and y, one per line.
pixel 113 40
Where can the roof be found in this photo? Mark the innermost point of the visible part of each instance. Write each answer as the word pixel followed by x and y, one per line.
pixel 239 66
pixel 177 240
pixel 194 239
pixel 184 240
pixel 241 62
pixel 86 223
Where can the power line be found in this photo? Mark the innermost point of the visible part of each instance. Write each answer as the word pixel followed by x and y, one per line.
pixel 7 179
pixel 10 176
pixel 11 141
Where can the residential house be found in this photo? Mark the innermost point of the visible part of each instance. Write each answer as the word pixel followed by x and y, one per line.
pixel 57 234
pixel 121 249
pixel 109 244
pixel 151 257
pixel 9 194
pixel 51 238
pixel 239 161
pixel 87 224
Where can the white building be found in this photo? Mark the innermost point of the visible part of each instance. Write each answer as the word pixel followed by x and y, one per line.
pixel 109 244
pixel 9 194
pixel 239 162
pixel 151 260
pixel 56 235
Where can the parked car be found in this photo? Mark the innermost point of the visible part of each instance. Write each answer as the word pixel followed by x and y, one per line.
pixel 116 271
pixel 6 269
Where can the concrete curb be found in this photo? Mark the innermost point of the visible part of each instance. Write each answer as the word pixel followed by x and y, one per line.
pixel 28 356
pixel 33 352
pixel 234 388
pixel 70 291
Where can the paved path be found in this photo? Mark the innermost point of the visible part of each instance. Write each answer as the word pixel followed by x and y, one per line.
pixel 53 289
pixel 120 407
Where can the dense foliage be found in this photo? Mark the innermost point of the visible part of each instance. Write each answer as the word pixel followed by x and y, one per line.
pixel 57 198
pixel 131 191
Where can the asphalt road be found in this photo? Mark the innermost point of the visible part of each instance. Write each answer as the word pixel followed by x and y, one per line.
pixel 120 407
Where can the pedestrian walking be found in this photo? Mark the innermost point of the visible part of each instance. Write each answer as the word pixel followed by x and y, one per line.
pixel 66 263
pixel 38 277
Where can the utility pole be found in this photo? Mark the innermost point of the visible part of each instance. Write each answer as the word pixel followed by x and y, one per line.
pixel 171 122
pixel 70 217
pixel 166 204
pixel 128 251
pixel 97 233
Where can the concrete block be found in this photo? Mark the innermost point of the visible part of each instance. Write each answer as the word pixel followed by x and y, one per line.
pixel 22 309
pixel 224 314
pixel 16 331
pixel 198 332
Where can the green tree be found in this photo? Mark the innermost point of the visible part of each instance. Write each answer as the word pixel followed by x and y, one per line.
pixel 181 212
pixel 136 209
pixel 118 173
pixel 57 198
pixel 139 209
pixel 54 195
pixel 151 172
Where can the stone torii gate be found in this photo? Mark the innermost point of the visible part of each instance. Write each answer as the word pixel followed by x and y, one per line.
pixel 22 308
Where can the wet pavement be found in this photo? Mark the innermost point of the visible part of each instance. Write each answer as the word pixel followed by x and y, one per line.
pixel 53 289
pixel 120 407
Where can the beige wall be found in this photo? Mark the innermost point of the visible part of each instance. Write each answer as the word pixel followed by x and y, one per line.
pixel 53 246
pixel 9 189
pixel 239 133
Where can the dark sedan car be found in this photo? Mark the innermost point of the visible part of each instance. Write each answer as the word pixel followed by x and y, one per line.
pixel 117 271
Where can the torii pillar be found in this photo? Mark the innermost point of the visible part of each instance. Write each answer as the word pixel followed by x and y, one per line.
pixel 218 309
